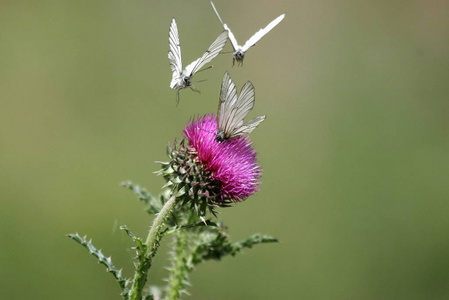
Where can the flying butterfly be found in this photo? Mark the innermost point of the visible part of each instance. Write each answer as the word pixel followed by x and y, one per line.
pixel 182 78
pixel 233 108
pixel 239 51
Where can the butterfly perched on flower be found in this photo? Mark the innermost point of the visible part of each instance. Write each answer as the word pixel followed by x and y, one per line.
pixel 182 77
pixel 233 108
pixel 239 51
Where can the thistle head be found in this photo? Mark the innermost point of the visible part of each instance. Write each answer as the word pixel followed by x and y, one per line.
pixel 208 173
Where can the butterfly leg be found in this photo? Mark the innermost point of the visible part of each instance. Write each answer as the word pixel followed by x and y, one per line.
pixel 193 88
pixel 177 97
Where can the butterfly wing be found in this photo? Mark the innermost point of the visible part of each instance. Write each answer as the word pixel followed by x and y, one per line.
pixel 241 108
pixel 233 109
pixel 216 13
pixel 244 103
pixel 249 126
pixel 259 34
pixel 174 53
pixel 213 50
pixel 228 98
pixel 231 36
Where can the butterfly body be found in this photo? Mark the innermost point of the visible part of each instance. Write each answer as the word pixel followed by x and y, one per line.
pixel 187 80
pixel 220 137
pixel 182 77
pixel 238 56
pixel 239 51
pixel 181 82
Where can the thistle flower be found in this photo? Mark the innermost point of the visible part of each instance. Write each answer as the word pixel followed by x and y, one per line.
pixel 209 173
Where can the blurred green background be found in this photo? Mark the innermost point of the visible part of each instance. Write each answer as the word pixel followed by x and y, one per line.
pixel 355 147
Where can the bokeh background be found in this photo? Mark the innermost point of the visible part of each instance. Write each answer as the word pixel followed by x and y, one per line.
pixel 355 147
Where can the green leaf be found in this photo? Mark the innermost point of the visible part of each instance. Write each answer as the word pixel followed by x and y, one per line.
pixel 154 204
pixel 254 240
pixel 215 244
pixel 106 261
pixel 140 245
pixel 198 242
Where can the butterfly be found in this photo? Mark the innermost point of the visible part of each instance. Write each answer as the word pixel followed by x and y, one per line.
pixel 182 78
pixel 239 51
pixel 233 108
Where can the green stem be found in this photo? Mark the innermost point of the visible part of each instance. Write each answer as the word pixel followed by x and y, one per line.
pixel 179 270
pixel 182 263
pixel 152 244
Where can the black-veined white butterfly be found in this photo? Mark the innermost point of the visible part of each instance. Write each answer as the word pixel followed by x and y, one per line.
pixel 239 51
pixel 181 78
pixel 233 108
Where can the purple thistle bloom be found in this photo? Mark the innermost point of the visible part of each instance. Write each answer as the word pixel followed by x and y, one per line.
pixel 231 163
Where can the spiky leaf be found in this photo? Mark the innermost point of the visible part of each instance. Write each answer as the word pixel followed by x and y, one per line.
pixel 106 261
pixel 153 203
pixel 215 244
pixel 140 245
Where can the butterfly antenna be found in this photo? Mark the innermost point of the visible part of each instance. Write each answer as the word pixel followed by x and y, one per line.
pixel 205 130
pixel 204 69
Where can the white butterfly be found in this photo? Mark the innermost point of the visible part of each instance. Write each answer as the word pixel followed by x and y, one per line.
pixel 181 78
pixel 233 108
pixel 239 51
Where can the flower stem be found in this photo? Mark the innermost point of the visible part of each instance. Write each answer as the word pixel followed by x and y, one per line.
pixel 152 244
pixel 179 270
